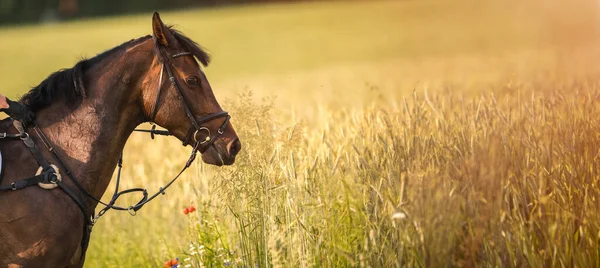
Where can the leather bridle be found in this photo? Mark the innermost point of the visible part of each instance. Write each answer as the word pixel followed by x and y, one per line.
pixel 196 127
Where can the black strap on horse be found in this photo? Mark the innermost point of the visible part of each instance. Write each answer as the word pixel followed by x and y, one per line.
pixel 48 176
pixel 8 136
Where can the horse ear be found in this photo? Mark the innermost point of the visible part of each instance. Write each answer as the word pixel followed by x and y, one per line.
pixel 160 31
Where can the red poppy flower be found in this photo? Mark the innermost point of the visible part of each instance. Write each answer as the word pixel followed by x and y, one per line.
pixel 170 263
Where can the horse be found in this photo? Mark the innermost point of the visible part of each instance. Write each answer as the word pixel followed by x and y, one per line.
pixel 85 115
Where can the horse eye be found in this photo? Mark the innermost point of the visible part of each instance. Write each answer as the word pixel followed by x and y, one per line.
pixel 193 81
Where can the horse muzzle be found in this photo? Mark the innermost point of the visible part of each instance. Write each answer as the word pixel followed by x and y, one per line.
pixel 222 152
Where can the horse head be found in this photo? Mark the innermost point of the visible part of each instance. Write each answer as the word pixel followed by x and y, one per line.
pixel 179 97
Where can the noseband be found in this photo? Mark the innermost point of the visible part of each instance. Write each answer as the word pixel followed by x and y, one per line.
pixel 196 127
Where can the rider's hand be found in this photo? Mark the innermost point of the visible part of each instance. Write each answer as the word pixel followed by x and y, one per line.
pixel 19 112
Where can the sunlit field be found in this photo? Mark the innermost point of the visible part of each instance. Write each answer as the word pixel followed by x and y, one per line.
pixel 375 134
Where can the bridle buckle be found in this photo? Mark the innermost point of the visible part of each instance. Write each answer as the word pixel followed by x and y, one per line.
pixel 131 211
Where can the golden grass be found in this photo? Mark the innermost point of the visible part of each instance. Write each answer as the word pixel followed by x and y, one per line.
pixel 392 133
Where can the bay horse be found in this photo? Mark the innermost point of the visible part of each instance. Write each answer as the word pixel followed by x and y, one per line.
pixel 85 115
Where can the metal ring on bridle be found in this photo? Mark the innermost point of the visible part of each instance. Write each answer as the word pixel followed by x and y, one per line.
pixel 131 211
pixel 24 136
pixel 207 139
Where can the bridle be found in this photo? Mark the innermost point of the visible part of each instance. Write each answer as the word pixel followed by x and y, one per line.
pixel 50 176
pixel 196 127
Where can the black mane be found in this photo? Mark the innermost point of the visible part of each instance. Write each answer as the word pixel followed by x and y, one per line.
pixel 68 84
pixel 64 84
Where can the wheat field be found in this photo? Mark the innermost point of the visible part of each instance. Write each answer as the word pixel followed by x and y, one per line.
pixel 375 134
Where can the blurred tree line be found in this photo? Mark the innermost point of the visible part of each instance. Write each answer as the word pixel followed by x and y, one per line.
pixel 28 11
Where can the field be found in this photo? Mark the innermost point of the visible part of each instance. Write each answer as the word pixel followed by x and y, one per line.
pixel 375 134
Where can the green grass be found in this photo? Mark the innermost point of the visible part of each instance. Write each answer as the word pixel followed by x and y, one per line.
pixel 383 134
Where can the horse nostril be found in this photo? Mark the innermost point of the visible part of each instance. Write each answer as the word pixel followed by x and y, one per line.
pixel 235 147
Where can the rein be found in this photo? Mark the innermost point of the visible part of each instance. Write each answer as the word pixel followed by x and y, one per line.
pixel 110 205
pixel 50 176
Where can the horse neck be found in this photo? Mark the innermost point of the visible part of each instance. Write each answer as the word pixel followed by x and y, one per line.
pixel 91 137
